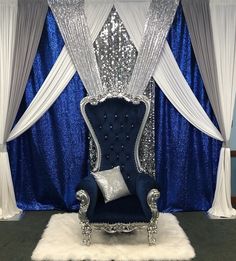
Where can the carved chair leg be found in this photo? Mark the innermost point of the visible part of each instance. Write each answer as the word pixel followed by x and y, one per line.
pixel 152 197
pixel 152 233
pixel 84 199
pixel 86 233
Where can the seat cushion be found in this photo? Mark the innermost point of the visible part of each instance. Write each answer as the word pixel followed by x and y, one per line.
pixel 123 210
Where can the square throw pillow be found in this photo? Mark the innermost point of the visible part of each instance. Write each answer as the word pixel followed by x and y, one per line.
pixel 111 184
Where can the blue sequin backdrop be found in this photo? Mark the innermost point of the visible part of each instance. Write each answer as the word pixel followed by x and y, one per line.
pixel 49 160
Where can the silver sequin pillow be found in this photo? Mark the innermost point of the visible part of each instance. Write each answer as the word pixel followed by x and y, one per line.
pixel 111 184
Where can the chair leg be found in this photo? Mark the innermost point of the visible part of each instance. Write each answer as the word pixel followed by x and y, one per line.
pixel 86 233
pixel 152 232
pixel 152 197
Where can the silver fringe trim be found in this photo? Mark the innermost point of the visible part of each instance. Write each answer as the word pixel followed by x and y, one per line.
pixel 71 19
pixel 160 17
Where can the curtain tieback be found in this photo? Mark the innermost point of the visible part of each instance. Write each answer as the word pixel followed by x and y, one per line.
pixel 3 147
pixel 226 144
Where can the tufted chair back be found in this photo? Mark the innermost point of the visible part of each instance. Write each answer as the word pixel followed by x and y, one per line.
pixel 116 126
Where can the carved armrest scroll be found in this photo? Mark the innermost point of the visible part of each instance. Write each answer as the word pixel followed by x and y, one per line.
pixel 152 197
pixel 84 199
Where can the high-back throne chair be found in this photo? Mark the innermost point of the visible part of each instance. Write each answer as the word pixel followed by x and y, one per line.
pixel 116 124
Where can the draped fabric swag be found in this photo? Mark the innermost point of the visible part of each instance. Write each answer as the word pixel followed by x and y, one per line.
pixel 167 74
pixel 21 24
pixel 77 39
pixel 212 26
pixel 157 23
pixel 71 19
pixel 62 72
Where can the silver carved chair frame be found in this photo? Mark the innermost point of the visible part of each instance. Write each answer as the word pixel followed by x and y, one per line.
pixel 84 197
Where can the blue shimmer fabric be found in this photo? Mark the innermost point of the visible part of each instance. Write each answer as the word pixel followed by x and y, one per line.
pixel 49 160
pixel 186 159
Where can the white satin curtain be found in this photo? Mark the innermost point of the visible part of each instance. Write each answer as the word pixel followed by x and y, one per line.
pixel 61 73
pixel 21 24
pixel 167 74
pixel 212 26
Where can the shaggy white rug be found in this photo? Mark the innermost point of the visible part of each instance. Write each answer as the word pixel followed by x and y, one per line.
pixel 61 241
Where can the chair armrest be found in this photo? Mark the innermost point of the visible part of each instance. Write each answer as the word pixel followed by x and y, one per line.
pixel 87 194
pixel 147 193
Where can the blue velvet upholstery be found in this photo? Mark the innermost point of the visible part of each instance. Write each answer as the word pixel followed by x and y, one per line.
pixel 126 210
pixel 144 184
pixel 116 123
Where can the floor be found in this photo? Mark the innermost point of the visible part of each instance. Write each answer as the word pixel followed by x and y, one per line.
pixel 213 240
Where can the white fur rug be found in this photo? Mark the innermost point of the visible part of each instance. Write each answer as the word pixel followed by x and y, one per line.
pixel 61 241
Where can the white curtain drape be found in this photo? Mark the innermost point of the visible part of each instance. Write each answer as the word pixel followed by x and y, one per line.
pixel 21 24
pixel 72 22
pixel 158 20
pixel 212 27
pixel 167 74
pixel 61 73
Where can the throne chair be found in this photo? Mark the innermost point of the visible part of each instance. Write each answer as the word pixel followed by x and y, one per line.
pixel 116 123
